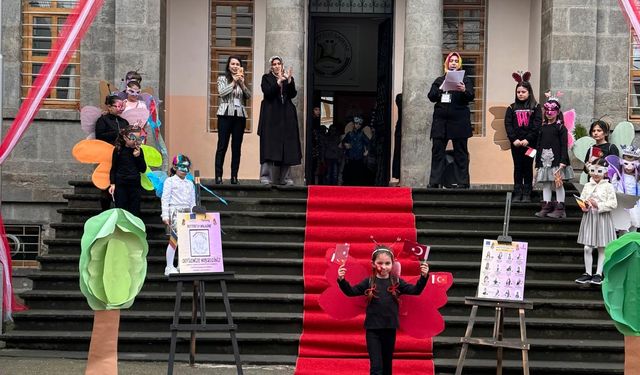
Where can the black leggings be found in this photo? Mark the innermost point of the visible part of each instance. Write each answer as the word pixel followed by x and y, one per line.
pixel 380 345
pixel 127 196
pixel 229 127
pixel 522 166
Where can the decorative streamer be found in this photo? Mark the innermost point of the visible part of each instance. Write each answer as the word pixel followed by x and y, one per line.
pixel 72 32
pixel 631 10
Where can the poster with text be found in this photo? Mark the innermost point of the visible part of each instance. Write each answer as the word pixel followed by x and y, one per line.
pixel 199 243
pixel 502 271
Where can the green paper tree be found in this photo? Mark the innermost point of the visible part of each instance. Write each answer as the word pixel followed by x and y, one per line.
pixel 621 286
pixel 113 261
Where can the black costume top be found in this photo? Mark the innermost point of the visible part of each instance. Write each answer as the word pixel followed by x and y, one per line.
pixel 108 127
pixel 553 136
pixel 452 120
pixel 278 125
pixel 126 168
pixel 527 127
pixel 382 310
pixel 606 150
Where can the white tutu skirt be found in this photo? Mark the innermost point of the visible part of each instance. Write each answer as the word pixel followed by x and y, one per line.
pixel 596 229
pixel 547 174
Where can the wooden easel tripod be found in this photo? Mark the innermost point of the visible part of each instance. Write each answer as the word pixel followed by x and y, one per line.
pixel 497 340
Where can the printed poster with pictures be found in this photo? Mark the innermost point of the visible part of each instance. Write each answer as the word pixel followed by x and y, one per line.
pixel 199 243
pixel 503 270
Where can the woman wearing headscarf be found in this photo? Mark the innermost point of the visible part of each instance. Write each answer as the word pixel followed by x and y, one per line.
pixel 451 121
pixel 278 126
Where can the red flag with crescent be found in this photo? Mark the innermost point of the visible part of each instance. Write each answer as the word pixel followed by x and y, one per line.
pixel 420 251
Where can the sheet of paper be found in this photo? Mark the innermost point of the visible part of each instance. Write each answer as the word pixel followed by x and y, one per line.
pixel 451 80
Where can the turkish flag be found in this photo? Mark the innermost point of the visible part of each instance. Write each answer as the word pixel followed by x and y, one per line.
pixel 420 251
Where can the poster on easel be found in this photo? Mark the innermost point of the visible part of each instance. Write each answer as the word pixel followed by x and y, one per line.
pixel 502 273
pixel 199 243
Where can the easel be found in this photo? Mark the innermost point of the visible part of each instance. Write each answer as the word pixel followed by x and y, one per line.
pixel 199 306
pixel 497 340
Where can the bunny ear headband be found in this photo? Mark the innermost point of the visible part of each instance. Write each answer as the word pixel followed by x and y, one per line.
pixel 519 76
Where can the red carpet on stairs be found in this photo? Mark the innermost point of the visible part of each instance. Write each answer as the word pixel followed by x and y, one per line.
pixel 352 215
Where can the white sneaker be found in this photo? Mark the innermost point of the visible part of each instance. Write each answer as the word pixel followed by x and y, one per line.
pixel 288 182
pixel 169 270
pixel 265 181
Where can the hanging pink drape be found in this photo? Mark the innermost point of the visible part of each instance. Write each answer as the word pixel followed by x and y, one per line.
pixel 631 11
pixel 74 29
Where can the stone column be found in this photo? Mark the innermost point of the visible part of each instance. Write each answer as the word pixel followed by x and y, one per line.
pixel 612 62
pixel 137 43
pixel 422 64
pixel 97 56
pixel 285 37
pixel 568 54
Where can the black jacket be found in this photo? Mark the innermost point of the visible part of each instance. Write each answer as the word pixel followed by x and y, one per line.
pixel 553 136
pixel 382 311
pixel 528 130
pixel 452 120
pixel 278 125
pixel 126 168
pixel 108 127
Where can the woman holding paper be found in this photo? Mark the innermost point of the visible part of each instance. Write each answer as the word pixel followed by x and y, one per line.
pixel 451 121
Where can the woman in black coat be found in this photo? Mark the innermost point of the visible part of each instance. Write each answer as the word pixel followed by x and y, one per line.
pixel 278 126
pixel 451 121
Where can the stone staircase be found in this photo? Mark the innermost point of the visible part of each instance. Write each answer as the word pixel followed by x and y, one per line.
pixel 569 329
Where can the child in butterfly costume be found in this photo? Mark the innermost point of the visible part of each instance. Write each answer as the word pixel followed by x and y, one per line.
pixel 382 289
pixel 623 174
pixel 553 158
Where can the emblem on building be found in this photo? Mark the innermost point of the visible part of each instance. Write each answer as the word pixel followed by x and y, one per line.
pixel 333 53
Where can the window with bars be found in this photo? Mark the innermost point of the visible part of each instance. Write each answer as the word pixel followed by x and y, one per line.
pixel 633 103
pixel 42 22
pixel 463 31
pixel 231 34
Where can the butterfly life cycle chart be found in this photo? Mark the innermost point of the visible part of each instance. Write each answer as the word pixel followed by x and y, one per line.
pixel 502 273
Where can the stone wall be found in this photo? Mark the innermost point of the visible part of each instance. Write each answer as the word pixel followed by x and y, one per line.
pixel 125 35
pixel 585 54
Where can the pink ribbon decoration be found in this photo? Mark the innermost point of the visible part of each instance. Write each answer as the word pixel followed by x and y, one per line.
pixel 73 30
pixel 631 11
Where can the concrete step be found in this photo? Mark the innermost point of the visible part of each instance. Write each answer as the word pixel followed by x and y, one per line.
pixel 225 190
pixel 165 301
pixel 447 366
pixel 250 343
pixel 156 265
pixel 160 356
pixel 281 284
pixel 151 321
pixel 594 350
pixel 80 215
pixel 229 248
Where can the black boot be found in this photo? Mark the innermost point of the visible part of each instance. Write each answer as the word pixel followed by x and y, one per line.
pixel 517 193
pixel 558 212
pixel 546 208
pixel 526 193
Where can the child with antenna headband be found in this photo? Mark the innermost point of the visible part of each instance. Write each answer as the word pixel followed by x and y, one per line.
pixel 383 290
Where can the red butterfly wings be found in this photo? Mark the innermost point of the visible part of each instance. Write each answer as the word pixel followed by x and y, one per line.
pixel 419 315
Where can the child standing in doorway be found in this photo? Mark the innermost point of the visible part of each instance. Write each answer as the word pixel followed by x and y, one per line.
pixel 596 228
pixel 178 195
pixel 127 162
pixel 383 291
pixel 552 159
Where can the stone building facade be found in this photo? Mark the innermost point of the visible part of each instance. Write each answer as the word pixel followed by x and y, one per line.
pixel 579 46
